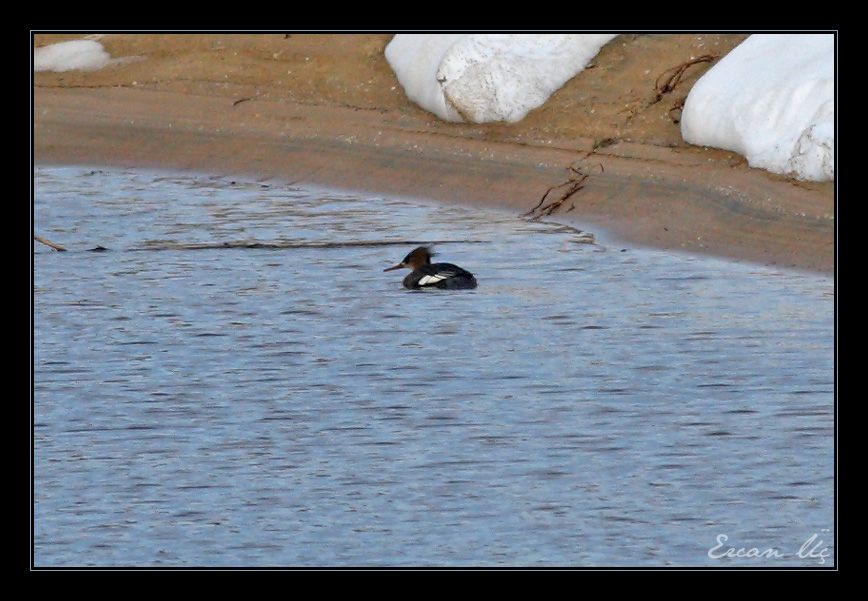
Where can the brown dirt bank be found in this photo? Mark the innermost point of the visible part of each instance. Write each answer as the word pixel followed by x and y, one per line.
pixel 327 109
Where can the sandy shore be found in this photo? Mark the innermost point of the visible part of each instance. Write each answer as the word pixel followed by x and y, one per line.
pixel 326 109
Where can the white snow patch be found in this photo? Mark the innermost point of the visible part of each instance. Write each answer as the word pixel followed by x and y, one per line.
pixel 415 59
pixel 84 55
pixel 772 99
pixel 488 77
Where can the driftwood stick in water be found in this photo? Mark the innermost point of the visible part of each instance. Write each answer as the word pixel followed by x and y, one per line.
pixel 49 243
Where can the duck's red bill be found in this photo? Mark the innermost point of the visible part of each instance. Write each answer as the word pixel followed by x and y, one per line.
pixel 393 267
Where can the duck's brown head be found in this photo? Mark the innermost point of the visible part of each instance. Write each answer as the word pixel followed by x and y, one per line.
pixel 417 258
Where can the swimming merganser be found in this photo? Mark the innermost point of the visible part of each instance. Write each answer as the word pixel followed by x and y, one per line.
pixel 433 275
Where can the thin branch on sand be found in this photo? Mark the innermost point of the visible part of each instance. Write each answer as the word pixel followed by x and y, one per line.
pixel 573 184
pixel 678 106
pixel 671 77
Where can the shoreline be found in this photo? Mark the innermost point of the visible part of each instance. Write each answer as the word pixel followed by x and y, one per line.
pixel 664 196
pixel 602 237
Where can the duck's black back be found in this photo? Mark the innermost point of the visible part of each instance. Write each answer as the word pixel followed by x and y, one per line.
pixel 440 275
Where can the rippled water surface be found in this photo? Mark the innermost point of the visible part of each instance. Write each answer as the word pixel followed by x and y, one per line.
pixel 296 406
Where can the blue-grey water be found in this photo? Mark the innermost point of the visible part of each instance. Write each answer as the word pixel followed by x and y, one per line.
pixel 297 407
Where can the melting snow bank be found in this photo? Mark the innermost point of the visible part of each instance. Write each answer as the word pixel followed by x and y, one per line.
pixel 85 55
pixel 772 99
pixel 488 77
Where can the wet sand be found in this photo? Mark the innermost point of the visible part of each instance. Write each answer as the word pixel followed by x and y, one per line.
pixel 326 109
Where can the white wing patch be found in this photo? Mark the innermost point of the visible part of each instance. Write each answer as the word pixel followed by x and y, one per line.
pixel 428 280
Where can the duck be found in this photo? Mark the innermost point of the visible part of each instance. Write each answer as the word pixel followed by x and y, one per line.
pixel 426 274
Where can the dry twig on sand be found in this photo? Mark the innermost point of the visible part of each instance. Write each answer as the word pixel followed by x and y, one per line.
pixel 678 106
pixel 575 183
pixel 671 77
